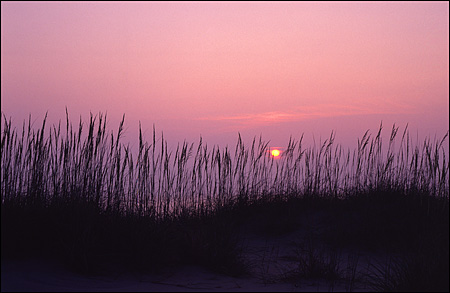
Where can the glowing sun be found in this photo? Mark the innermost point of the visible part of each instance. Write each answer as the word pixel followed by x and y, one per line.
pixel 275 153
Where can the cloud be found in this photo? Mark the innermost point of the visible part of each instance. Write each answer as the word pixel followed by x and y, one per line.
pixel 312 112
pixel 309 112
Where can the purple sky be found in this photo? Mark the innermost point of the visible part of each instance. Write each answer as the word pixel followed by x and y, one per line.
pixel 216 69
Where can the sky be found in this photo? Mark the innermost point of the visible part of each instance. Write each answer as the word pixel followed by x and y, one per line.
pixel 216 69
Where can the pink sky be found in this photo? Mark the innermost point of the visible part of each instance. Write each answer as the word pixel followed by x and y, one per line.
pixel 216 69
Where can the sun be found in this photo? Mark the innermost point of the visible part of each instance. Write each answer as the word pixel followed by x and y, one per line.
pixel 275 153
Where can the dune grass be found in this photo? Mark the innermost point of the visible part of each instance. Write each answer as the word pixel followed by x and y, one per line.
pixel 80 195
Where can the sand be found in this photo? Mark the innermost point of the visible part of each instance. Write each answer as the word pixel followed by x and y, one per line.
pixel 271 260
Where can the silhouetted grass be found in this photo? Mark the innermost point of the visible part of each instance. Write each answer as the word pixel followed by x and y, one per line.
pixel 82 196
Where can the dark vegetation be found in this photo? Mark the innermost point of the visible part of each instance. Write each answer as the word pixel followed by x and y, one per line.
pixel 84 198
